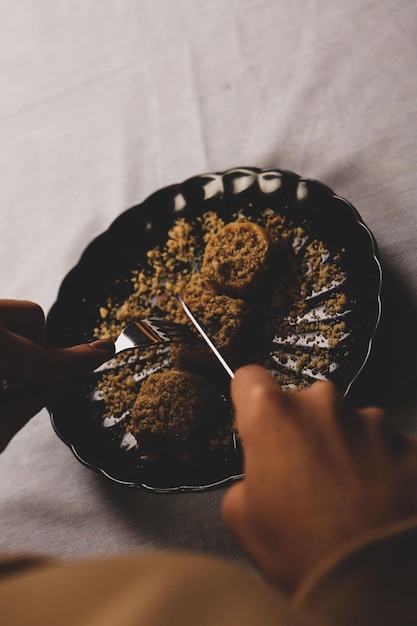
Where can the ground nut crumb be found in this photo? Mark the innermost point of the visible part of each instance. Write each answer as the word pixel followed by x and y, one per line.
pixel 173 269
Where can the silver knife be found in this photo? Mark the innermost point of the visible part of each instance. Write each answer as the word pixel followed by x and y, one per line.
pixel 206 338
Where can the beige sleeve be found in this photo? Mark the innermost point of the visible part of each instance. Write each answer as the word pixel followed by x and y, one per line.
pixel 149 589
pixel 371 581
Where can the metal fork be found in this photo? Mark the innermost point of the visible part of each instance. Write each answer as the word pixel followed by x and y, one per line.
pixel 151 331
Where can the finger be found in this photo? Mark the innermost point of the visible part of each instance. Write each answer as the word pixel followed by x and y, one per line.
pixel 241 519
pixel 31 362
pixel 16 409
pixel 233 508
pixel 259 403
pixel 251 529
pixel 323 402
pixel 23 317
pixel 323 407
pixel 329 423
pixel 381 430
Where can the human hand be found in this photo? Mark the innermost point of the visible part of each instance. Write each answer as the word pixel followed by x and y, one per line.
pixel 317 474
pixel 28 367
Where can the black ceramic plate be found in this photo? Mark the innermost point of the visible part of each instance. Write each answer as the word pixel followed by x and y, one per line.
pixel 105 269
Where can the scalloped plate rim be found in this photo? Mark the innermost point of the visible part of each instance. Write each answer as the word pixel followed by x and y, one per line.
pixel 237 476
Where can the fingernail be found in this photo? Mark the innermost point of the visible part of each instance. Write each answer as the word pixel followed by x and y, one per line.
pixel 103 344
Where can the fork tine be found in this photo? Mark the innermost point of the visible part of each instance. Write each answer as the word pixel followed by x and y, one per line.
pixel 135 335
pixel 151 331
pixel 173 330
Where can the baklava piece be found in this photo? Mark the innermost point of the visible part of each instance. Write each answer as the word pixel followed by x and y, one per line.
pixel 174 412
pixel 226 321
pixel 237 258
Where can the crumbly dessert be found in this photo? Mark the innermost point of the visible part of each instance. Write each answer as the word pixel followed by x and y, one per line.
pixel 226 321
pixel 237 258
pixel 295 268
pixel 173 412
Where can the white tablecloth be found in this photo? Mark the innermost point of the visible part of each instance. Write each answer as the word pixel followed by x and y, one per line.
pixel 103 102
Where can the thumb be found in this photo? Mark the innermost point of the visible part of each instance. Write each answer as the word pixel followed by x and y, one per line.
pixel 28 361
